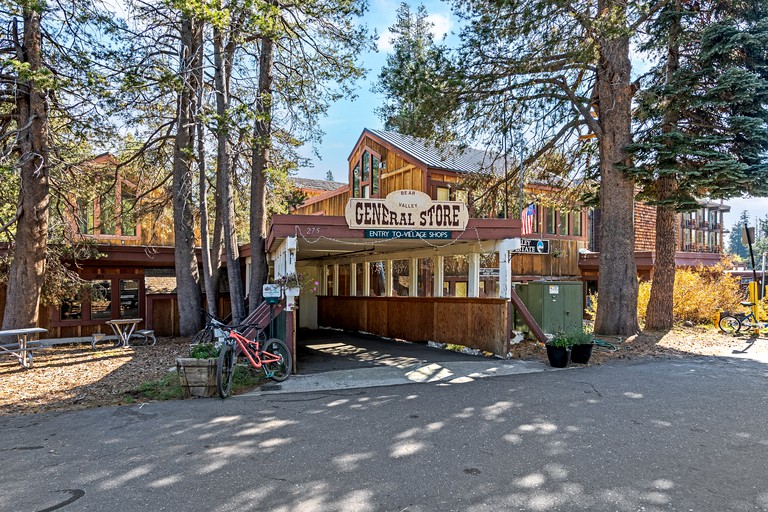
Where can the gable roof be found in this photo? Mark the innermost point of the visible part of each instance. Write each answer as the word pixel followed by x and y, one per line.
pixel 323 185
pixel 451 158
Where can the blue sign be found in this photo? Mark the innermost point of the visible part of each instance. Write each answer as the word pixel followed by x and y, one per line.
pixel 408 234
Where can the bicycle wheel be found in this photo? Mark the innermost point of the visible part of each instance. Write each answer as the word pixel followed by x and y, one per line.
pixel 204 336
pixel 278 370
pixel 729 324
pixel 225 370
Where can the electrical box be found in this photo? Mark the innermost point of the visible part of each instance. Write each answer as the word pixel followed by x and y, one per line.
pixel 557 306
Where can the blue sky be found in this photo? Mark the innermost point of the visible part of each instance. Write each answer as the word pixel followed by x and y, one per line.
pixel 346 119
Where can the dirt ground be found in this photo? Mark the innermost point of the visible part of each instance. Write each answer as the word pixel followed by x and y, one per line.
pixel 70 377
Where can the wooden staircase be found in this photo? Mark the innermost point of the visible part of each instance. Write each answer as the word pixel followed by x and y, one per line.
pixel 260 318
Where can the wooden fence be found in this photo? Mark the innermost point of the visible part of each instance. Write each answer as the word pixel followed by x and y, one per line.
pixel 472 322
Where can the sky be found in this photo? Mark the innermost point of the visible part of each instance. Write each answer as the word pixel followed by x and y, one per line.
pixel 346 119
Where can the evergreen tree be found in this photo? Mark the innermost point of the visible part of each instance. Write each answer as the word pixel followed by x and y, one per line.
pixel 405 78
pixel 704 122
pixel 735 245
pixel 329 176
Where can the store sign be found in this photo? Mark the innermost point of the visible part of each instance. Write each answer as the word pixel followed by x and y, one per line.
pixel 528 246
pixel 407 234
pixel 406 210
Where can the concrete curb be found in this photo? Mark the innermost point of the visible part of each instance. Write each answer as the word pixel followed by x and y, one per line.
pixel 454 372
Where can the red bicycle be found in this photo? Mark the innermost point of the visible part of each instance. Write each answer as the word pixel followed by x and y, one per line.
pixel 272 356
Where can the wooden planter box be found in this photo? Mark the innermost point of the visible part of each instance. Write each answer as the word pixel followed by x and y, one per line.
pixel 198 376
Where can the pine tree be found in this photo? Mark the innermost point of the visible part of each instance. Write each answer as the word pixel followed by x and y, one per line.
pixel 405 78
pixel 704 120
pixel 735 245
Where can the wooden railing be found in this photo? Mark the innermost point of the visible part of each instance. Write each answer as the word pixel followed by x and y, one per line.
pixel 472 322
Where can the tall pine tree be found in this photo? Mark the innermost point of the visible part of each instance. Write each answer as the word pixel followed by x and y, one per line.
pixel 704 120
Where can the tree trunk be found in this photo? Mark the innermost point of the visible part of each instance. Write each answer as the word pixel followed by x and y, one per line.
pixel 617 283
pixel 660 312
pixel 27 270
pixel 262 143
pixel 222 63
pixel 209 282
pixel 187 287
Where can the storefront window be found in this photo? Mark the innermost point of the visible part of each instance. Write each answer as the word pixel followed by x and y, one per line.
pixel 378 277
pixel 401 280
pixel 455 276
pixel 344 279
pixel 101 300
pixel 359 285
pixel 329 280
pixel 489 275
pixel 129 298
pixel 426 277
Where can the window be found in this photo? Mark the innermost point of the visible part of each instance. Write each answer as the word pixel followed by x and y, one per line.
pixel 111 213
pixel 577 223
pixel 378 279
pixel 366 175
pixel 356 181
pixel 344 279
pixel 563 223
pixel 401 278
pixel 107 214
pixel 85 216
pixel 329 280
pixel 127 212
pixel 426 277
pixel 455 276
pixel 129 298
pixel 101 300
pixel 443 194
pixel 359 285
pixel 549 219
pixel 71 309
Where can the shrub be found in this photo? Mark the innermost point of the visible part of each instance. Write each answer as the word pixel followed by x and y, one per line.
pixel 699 295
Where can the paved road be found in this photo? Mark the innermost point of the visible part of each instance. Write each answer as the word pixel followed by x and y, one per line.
pixel 677 435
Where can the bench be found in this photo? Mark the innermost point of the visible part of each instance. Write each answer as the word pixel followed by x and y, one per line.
pixel 147 335
pixel 14 350
pixel 99 337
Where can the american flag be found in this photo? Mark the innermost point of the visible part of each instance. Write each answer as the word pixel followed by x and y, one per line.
pixel 528 218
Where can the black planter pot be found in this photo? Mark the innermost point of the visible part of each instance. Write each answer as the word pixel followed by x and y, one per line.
pixel 558 356
pixel 580 354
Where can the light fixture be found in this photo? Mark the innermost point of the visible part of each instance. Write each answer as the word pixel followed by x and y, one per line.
pixel 382 165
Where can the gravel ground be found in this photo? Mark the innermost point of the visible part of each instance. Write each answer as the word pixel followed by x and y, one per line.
pixel 72 377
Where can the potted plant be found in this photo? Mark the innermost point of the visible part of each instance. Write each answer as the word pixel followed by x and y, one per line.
pixel 197 372
pixel 559 350
pixel 581 347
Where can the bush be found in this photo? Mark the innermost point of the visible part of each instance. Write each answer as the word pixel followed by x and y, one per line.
pixel 699 295
pixel 568 339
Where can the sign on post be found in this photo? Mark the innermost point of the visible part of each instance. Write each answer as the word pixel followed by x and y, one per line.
pixel 271 293
pixel 747 237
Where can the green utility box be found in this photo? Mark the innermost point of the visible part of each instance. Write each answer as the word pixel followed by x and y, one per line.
pixel 555 305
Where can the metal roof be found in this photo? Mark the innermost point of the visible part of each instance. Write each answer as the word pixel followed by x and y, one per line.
pixel 311 184
pixel 447 157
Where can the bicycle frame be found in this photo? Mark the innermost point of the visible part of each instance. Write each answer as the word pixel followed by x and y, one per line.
pixel 252 348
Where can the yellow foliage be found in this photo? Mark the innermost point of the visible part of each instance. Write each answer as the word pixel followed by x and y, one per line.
pixel 699 295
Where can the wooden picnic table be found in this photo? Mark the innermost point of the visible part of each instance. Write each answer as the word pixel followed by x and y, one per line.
pixel 21 349
pixel 124 328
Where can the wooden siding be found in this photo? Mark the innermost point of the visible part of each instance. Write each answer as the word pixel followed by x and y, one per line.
pixel 562 261
pixel 328 204
pixel 645 227
pixel 474 323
